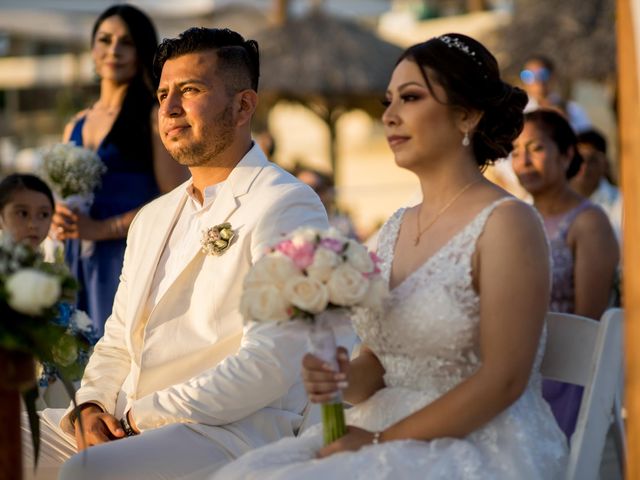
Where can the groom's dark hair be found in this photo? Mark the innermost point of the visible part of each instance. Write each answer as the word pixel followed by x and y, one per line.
pixel 238 59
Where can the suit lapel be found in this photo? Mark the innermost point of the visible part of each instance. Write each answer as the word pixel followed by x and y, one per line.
pixel 161 223
pixel 236 185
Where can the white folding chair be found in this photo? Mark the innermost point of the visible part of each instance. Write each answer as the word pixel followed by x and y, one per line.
pixel 588 353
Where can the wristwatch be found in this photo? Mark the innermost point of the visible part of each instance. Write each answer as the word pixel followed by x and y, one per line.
pixel 126 426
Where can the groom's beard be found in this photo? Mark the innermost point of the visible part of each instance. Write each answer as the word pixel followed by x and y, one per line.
pixel 215 140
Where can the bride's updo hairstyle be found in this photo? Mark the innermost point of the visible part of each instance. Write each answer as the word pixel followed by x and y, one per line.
pixel 470 76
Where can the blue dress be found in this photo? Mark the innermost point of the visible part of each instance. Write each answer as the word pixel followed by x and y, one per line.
pixel 128 183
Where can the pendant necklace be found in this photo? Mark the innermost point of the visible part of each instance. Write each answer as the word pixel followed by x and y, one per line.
pixel 441 211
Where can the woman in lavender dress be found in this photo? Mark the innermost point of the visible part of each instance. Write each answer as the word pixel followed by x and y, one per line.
pixel 583 246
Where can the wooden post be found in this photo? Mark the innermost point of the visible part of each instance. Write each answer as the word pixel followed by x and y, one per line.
pixel 280 12
pixel 16 374
pixel 629 124
pixel 476 5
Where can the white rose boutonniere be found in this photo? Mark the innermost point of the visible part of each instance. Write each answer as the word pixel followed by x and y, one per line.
pixel 217 239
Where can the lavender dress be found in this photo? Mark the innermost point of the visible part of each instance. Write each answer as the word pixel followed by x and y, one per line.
pixel 564 398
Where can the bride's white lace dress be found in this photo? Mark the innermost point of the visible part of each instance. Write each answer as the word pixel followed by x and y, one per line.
pixel 428 343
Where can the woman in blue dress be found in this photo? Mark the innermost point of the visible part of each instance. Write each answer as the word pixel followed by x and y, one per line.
pixel 121 126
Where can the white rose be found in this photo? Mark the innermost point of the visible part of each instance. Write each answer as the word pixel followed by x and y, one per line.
pixel 81 320
pixel 376 294
pixel 303 235
pixel 334 234
pixel 324 261
pixel 359 258
pixel 264 303
pixel 307 293
pixel 31 291
pixel 347 286
pixel 272 269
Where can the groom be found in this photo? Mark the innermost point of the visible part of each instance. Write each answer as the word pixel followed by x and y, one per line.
pixel 176 384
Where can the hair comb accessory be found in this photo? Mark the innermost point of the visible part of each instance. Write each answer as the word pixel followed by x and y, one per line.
pixel 453 42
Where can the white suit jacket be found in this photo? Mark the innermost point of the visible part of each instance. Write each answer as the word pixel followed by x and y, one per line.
pixel 199 366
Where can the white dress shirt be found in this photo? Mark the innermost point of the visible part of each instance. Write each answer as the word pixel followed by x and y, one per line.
pixel 177 249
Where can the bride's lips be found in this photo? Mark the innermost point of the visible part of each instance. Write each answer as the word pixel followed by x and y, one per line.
pixel 395 140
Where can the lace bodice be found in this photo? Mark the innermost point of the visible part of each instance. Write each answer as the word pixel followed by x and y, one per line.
pixel 428 337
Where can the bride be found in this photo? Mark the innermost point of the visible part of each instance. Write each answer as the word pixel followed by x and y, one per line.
pixel 447 384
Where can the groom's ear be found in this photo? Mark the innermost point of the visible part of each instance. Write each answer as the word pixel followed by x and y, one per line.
pixel 245 105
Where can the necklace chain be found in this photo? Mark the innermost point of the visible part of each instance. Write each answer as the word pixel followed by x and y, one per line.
pixel 440 212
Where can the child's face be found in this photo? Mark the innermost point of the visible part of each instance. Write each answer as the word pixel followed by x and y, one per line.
pixel 27 217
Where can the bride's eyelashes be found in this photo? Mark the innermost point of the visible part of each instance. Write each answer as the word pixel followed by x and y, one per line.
pixel 404 98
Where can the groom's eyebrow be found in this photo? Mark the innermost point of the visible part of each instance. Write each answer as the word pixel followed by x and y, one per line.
pixel 180 85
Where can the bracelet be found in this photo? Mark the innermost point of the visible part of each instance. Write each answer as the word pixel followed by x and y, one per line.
pixel 376 438
pixel 116 227
pixel 126 426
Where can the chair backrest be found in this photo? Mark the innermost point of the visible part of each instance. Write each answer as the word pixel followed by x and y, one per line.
pixel 588 353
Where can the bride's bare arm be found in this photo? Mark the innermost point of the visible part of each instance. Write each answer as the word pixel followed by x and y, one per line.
pixel 511 273
pixel 358 379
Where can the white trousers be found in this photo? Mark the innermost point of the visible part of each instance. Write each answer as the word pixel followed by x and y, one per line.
pixel 170 452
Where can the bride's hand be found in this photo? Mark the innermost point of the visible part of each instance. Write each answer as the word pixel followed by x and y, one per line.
pixel 320 380
pixel 354 440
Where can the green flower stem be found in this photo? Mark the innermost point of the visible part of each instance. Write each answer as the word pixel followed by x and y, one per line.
pixel 333 423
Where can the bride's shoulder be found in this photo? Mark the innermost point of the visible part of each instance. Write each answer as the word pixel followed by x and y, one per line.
pixel 513 221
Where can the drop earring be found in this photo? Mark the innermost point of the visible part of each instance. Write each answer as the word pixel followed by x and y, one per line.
pixel 465 140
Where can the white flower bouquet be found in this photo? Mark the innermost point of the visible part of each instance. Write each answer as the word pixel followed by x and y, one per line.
pixel 31 292
pixel 72 172
pixel 307 276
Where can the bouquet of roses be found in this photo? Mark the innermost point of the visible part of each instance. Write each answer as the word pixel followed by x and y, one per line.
pixel 307 276
pixel 30 293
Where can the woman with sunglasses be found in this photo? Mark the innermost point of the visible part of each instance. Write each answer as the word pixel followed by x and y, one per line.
pixel 538 76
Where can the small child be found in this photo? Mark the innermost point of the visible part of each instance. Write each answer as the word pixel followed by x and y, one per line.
pixel 26 209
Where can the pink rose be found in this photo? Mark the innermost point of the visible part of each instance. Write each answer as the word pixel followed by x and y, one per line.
pixel 300 253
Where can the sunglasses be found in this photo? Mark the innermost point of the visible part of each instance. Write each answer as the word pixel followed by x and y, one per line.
pixel 531 76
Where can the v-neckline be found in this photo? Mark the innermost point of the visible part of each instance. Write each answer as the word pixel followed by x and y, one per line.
pixel 99 146
pixel 436 253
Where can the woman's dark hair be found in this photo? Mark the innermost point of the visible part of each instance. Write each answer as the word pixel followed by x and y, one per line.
pixel 238 59
pixel 131 131
pixel 556 126
pixel 20 182
pixel 594 138
pixel 470 76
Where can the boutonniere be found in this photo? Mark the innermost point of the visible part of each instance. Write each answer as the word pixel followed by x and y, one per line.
pixel 217 239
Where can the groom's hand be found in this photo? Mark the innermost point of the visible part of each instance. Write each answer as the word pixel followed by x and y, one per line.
pixel 97 427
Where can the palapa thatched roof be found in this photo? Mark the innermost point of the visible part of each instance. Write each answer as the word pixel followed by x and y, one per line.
pixel 320 55
pixel 579 35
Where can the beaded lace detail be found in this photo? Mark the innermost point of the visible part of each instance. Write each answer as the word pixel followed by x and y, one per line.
pixel 435 310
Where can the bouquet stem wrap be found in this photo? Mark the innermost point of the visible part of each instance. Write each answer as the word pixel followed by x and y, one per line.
pixel 80 203
pixel 323 345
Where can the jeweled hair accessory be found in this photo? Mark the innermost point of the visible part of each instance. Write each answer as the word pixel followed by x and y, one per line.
pixel 453 42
